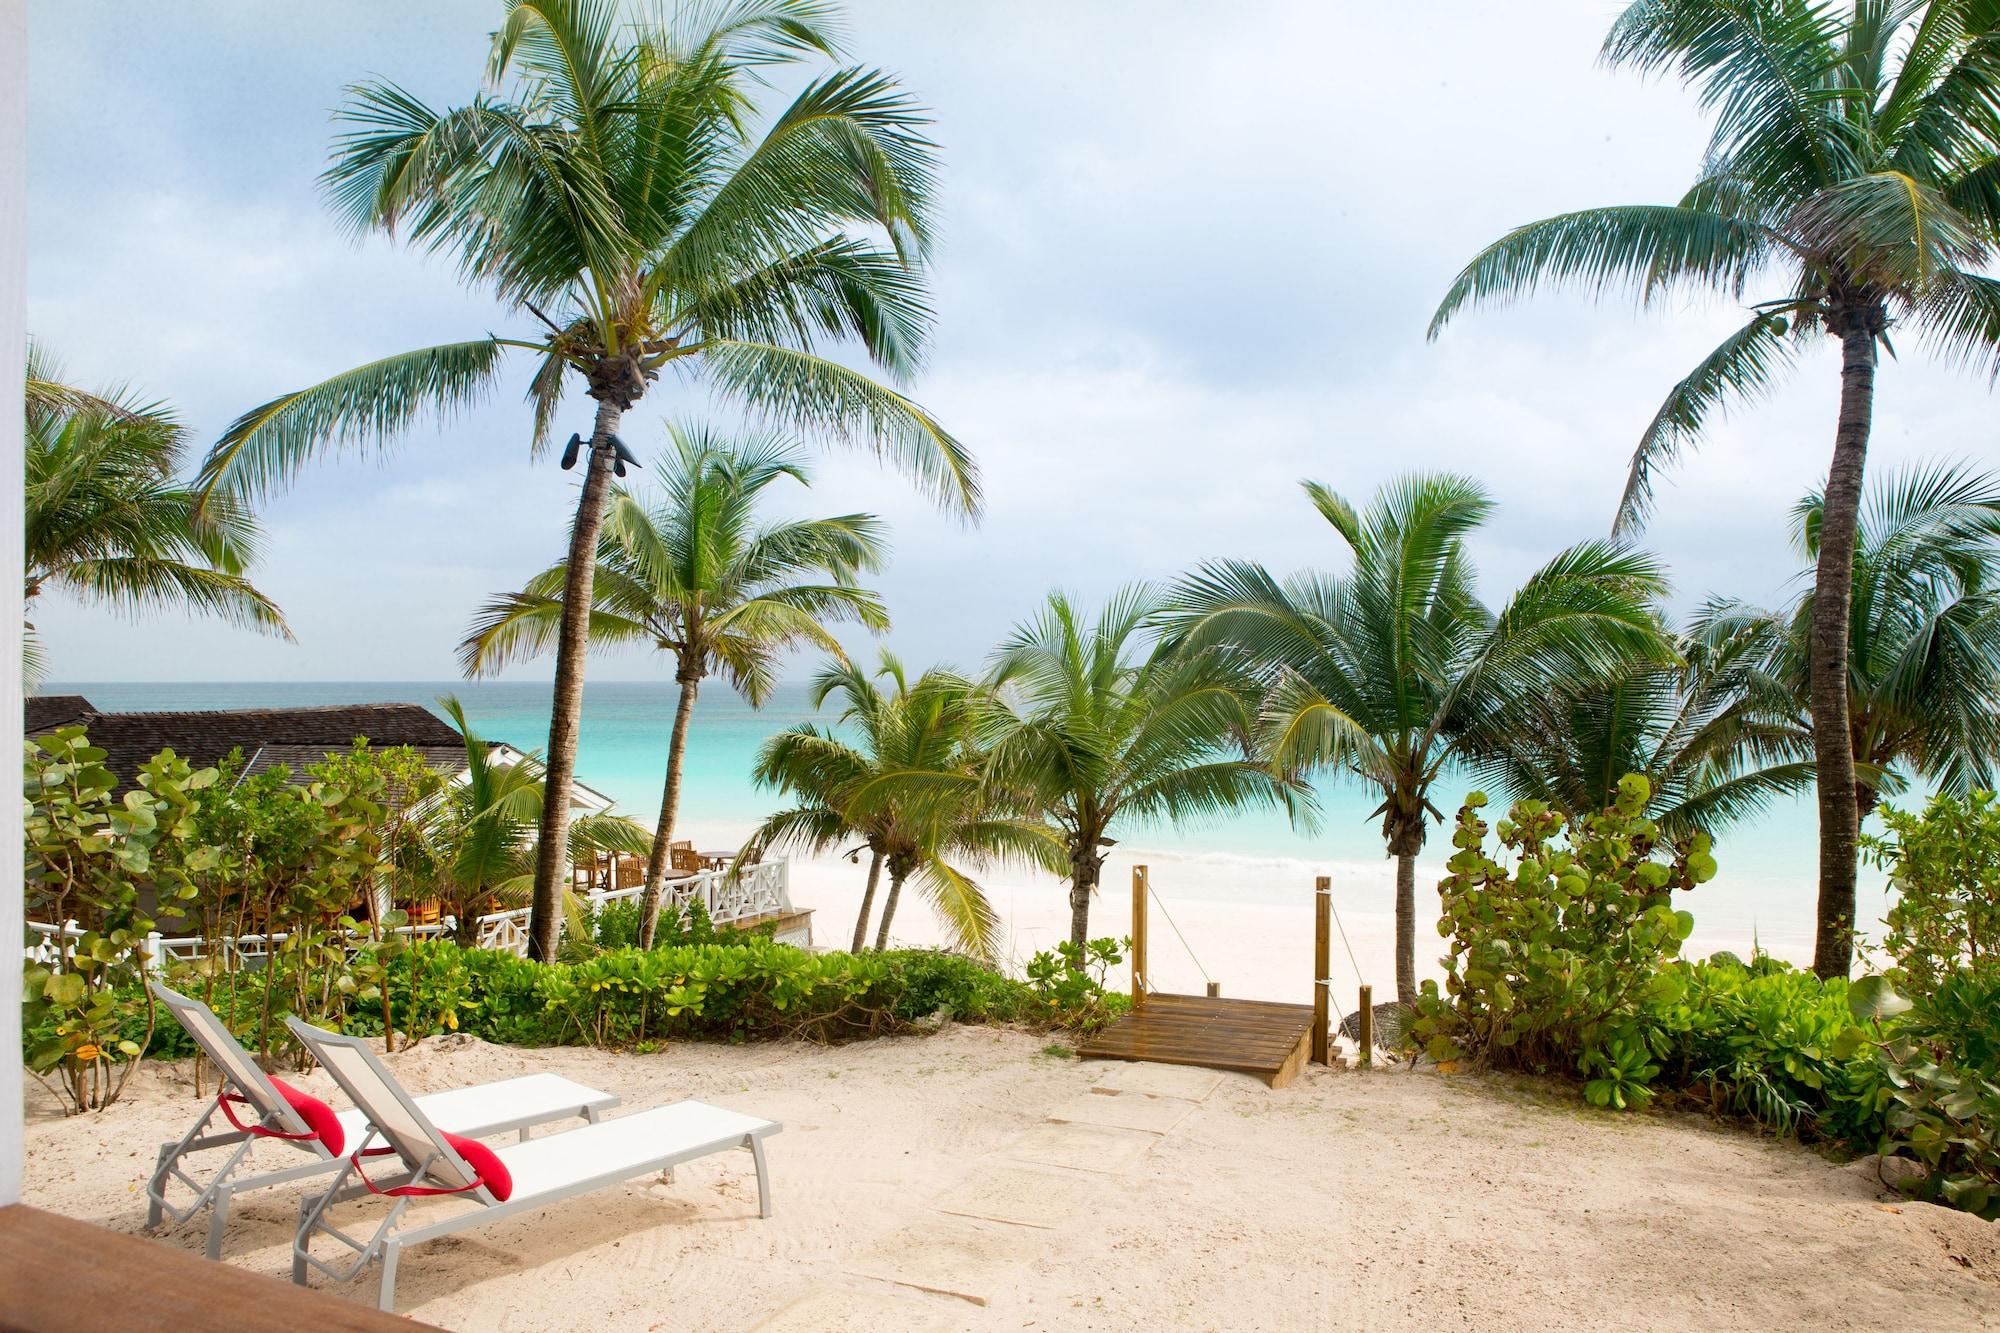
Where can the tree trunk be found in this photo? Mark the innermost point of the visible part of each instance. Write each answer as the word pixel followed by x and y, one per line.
pixel 896 878
pixel 1406 927
pixel 1083 881
pixel 867 902
pixel 566 708
pixel 1833 741
pixel 670 805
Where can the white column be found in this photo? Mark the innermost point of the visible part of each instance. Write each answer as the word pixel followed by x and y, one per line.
pixel 13 359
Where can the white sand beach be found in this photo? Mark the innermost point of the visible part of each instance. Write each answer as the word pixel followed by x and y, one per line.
pixel 970 1181
pixel 1246 921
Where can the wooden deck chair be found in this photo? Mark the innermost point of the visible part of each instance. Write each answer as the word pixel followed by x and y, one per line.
pixel 515 1178
pixel 258 1106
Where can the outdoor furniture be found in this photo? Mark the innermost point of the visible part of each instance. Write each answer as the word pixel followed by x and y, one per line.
pixel 512 1179
pixel 260 1107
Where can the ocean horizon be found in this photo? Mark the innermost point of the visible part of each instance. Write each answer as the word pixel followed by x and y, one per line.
pixel 1239 889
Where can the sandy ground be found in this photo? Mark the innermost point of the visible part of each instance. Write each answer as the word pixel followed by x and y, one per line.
pixel 919 1177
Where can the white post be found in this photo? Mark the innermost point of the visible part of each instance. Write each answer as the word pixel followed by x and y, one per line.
pixel 13 360
pixel 156 958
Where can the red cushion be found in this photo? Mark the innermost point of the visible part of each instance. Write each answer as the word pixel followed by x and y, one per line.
pixel 485 1164
pixel 319 1117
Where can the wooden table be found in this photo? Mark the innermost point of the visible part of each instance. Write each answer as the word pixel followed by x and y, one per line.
pixel 58 1275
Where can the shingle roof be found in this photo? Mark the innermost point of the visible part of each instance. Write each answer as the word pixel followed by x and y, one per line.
pixel 46 712
pixel 294 737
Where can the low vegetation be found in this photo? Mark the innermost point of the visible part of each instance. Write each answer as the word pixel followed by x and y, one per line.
pixel 1567 962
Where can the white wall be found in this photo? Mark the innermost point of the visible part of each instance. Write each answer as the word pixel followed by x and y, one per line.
pixel 13 314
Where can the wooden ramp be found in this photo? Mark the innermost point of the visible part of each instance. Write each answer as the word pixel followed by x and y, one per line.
pixel 1257 1037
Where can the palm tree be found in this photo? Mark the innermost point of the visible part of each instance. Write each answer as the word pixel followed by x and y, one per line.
pixel 1107 733
pixel 108 518
pixel 1712 735
pixel 477 837
pixel 1855 160
pixel 615 187
pixel 1923 673
pixel 1385 671
pixel 900 773
pixel 691 573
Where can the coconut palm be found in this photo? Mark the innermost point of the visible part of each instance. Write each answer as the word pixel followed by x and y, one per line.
pixel 1713 735
pixel 1923 672
pixel 477 837
pixel 1094 730
pixel 109 519
pixel 620 187
pixel 1855 163
pixel 1384 671
pixel 900 774
pixel 691 572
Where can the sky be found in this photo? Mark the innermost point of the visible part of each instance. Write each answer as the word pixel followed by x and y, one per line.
pixel 1187 258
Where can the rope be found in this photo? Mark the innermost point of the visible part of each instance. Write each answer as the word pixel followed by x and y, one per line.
pixel 1177 932
pixel 1351 960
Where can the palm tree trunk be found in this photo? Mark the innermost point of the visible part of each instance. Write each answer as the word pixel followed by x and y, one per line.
pixel 867 902
pixel 1083 881
pixel 1406 927
pixel 670 805
pixel 889 908
pixel 1833 741
pixel 566 709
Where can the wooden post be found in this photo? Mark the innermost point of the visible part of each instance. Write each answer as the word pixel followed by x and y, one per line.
pixel 1322 1052
pixel 1138 936
pixel 1214 990
pixel 1367 1032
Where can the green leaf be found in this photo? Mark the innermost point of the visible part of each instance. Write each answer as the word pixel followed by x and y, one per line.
pixel 1873 999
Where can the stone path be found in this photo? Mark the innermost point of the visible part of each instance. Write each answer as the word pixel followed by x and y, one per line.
pixel 980 1234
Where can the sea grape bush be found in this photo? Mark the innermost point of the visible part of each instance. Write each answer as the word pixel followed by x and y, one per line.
pixel 1554 959
pixel 87 857
pixel 1944 867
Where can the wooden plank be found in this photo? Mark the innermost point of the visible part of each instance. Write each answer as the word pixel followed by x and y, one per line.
pixel 1294 1062
pixel 59 1275
pixel 1259 1037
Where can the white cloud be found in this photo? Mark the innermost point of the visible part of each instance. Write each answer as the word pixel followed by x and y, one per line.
pixel 1189 257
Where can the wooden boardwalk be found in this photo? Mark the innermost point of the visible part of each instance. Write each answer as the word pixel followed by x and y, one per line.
pixel 1272 1041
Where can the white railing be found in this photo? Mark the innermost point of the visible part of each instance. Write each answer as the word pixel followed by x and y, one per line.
pixel 727 896
pixel 45 948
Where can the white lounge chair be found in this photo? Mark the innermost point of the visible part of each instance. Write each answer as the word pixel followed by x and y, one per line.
pixel 313 1128
pixel 512 1179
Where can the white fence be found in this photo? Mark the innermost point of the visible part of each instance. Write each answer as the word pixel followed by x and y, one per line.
pixel 728 896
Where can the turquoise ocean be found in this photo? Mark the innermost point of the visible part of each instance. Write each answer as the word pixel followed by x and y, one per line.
pixel 1242 880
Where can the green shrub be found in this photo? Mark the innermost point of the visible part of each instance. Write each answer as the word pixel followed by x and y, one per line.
pixel 1764 1041
pixel 616 925
pixel 1945 869
pixel 1555 963
pixel 1068 984
pixel 929 980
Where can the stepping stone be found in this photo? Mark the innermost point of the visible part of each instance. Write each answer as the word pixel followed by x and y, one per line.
pixel 839 1310
pixel 1149 1080
pixel 1023 1196
pixel 952 1257
pixel 1154 1115
pixel 1083 1147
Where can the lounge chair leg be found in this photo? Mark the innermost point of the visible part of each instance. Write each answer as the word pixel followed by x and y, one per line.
pixel 218 1216
pixel 385 1300
pixel 763 1176
pixel 156 1188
